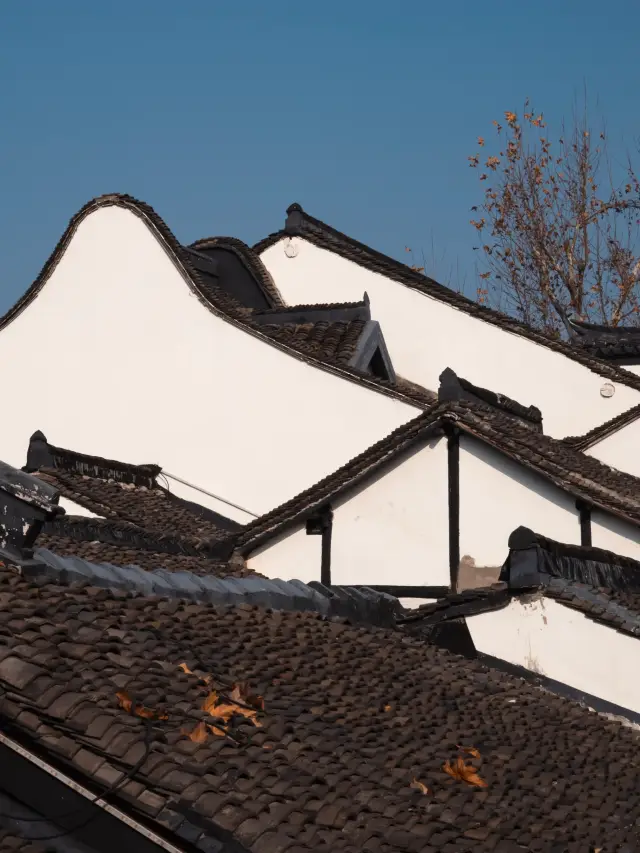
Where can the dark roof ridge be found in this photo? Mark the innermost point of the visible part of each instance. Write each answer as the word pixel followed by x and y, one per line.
pixel 300 223
pixel 213 298
pixel 250 259
pixel 603 496
pixel 523 538
pixel 43 456
pixel 593 436
pixel 582 327
pixel 473 418
pixel 116 532
pixel 284 516
pixel 452 387
pixel 315 306
pixel 352 605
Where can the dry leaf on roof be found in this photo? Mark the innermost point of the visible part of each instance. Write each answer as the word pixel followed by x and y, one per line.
pixel 185 668
pixel 226 710
pixel 217 731
pixel 387 707
pixel 470 750
pixel 463 772
pixel 210 701
pixel 240 693
pixel 198 734
pixel 420 786
pixel 128 705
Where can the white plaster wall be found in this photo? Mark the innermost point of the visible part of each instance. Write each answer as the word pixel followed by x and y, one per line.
pixel 117 357
pixel 497 495
pixel 615 535
pixel 391 531
pixel 545 637
pixel 72 508
pixel 424 336
pixel 620 450
pixel 295 556
pixel 412 603
pixel 199 496
pixel 394 529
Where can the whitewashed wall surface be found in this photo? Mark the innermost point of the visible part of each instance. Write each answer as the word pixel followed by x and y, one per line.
pixel 424 336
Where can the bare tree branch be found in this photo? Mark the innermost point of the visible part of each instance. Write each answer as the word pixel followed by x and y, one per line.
pixel 554 244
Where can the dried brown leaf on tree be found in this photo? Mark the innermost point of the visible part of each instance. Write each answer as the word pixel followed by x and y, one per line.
pixel 420 786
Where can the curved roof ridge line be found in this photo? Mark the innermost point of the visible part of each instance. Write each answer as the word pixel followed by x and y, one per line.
pixel 304 226
pixel 218 303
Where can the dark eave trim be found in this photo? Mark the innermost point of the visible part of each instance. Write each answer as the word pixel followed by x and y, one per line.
pixel 599 433
pixel 559 688
pixel 47 792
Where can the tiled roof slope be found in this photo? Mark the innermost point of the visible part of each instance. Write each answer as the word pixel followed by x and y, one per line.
pixel 597 434
pixel 351 716
pixel 204 287
pixel 300 223
pixel 249 258
pixel 617 343
pixel 580 475
pixel 140 523
pixel 335 342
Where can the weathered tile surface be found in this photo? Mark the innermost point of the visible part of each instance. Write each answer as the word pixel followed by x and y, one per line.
pixel 351 717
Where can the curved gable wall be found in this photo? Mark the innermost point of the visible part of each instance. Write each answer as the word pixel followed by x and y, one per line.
pixel 117 353
pixel 424 336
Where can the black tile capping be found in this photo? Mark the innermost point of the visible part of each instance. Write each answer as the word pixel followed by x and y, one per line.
pixel 301 224
pixel 453 387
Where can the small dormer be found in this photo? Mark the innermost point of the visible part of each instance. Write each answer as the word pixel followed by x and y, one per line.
pixel 454 389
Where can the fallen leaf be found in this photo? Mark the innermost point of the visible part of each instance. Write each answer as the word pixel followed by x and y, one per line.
pixel 124 701
pixel 225 711
pixel 240 693
pixel 387 707
pixel 470 750
pixel 462 772
pixel 198 734
pixel 185 668
pixel 216 730
pixel 420 786
pixel 210 701
pixel 128 705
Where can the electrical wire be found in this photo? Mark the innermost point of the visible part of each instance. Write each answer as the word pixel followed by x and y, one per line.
pixel 88 806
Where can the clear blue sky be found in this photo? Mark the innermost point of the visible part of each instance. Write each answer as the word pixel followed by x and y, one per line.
pixel 220 114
